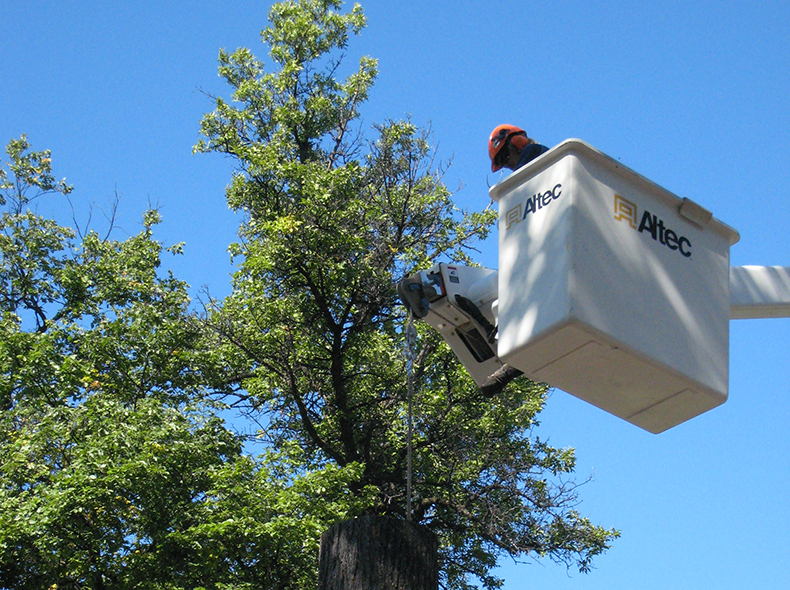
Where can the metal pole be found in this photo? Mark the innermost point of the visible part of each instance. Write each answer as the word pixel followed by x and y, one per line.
pixel 411 340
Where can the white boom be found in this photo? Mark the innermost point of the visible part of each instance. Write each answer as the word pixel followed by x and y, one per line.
pixel 759 292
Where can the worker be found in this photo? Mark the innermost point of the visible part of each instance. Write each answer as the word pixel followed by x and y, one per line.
pixel 508 147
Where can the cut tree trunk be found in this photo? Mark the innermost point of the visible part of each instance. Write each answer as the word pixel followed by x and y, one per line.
pixel 377 552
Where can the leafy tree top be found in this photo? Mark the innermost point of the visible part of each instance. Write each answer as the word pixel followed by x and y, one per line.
pixel 311 342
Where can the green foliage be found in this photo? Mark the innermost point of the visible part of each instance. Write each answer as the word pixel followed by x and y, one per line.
pixel 105 495
pixel 114 469
pixel 30 176
pixel 311 337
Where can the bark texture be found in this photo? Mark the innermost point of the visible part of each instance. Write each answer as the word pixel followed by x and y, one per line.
pixel 377 552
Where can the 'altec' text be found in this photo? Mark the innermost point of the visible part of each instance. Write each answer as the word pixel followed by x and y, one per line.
pixel 626 211
pixel 534 203
pixel 654 226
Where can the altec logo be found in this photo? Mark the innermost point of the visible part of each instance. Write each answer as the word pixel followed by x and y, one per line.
pixel 625 210
pixel 535 203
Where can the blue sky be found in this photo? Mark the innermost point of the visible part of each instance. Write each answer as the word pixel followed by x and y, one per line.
pixel 694 96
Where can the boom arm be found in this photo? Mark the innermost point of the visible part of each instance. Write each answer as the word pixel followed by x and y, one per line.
pixel 759 292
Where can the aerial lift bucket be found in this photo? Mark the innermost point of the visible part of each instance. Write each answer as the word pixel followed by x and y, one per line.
pixel 609 287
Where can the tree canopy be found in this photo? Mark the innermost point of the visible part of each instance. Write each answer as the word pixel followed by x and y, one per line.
pixel 311 339
pixel 116 467
pixel 115 471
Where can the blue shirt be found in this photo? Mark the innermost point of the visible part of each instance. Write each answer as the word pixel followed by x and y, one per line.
pixel 529 153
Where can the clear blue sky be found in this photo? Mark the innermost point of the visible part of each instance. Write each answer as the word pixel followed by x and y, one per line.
pixel 693 96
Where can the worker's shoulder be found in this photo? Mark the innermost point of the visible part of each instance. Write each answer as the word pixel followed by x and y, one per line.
pixel 531 152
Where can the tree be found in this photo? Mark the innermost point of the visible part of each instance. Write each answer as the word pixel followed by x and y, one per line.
pixel 114 469
pixel 311 339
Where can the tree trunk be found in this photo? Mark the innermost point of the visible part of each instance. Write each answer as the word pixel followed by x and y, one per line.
pixel 378 553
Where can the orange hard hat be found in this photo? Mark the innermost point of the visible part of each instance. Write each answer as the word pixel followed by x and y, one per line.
pixel 499 139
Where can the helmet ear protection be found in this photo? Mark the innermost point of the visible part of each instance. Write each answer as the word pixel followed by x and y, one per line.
pixel 501 136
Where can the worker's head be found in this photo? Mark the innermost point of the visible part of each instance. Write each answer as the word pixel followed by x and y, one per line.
pixel 505 146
